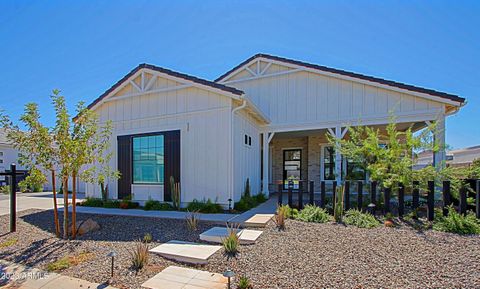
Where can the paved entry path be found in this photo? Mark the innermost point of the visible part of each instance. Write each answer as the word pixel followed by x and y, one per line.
pixel 18 276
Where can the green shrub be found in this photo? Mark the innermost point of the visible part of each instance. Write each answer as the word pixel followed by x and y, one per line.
pixel 111 204
pixel 314 214
pixel 457 223
pixel 359 219
pixel 248 202
pixel 153 205
pixel 92 202
pixel 5 189
pixel 207 207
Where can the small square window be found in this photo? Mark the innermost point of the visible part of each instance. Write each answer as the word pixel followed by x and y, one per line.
pixel 1 154
pixel 249 140
pixel 1 161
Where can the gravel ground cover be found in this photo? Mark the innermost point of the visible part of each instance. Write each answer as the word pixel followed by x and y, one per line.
pixel 306 255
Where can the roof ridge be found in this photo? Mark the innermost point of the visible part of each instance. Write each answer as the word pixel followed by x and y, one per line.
pixel 349 74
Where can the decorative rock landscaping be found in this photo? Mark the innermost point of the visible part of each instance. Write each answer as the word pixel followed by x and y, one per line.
pixel 305 255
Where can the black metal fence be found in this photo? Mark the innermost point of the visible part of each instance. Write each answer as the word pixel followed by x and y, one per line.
pixel 381 199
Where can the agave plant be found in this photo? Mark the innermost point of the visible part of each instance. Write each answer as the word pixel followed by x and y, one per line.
pixel 231 242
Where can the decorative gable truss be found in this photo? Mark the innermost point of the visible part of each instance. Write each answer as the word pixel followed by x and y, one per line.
pixel 259 68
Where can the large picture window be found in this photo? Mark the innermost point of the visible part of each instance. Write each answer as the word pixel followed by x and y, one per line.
pixel 148 159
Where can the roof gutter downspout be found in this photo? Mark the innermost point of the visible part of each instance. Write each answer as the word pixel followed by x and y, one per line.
pixel 232 151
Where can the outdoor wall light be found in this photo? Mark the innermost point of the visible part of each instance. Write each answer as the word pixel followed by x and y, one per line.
pixel 112 254
pixel 229 274
pixel 371 208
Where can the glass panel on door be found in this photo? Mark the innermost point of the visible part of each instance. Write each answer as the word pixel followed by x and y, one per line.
pixel 292 164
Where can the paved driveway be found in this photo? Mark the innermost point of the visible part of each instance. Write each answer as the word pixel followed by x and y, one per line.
pixel 43 201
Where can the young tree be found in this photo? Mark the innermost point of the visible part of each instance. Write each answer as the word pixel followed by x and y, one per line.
pixel 64 147
pixel 388 157
pixel 101 173
pixel 37 147
pixel 89 144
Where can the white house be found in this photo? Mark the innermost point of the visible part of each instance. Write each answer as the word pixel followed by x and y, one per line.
pixel 266 120
pixel 8 155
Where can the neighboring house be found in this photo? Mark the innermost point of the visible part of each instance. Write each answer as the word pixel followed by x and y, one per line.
pixel 455 158
pixel 8 155
pixel 266 120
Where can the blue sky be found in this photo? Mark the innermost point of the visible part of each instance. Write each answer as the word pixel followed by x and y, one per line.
pixel 84 47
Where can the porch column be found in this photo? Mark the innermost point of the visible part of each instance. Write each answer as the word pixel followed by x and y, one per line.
pixel 265 164
pixel 440 156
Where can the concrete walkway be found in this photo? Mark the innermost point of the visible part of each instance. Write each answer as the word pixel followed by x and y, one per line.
pixel 221 218
pixel 22 277
pixel 269 207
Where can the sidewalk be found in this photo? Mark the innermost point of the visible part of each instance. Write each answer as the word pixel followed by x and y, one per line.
pixel 269 207
pixel 18 276
pixel 221 218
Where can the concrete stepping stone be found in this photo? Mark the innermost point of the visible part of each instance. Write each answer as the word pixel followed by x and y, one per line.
pixel 186 252
pixel 174 277
pixel 258 220
pixel 218 234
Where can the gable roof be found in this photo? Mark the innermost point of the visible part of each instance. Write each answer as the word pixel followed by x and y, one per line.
pixel 348 74
pixel 194 79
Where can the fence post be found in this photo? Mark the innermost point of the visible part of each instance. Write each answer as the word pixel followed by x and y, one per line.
pixel 334 189
pixel 359 195
pixel 373 195
pixel 312 196
pixel 290 188
pixel 280 194
pixel 431 200
pixel 463 200
pixel 13 199
pixel 346 197
pixel 300 195
pixel 447 200
pixel 401 200
pixel 415 194
pixel 386 199
pixel 322 194
pixel 477 199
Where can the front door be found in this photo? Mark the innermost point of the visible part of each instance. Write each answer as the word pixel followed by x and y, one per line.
pixel 292 167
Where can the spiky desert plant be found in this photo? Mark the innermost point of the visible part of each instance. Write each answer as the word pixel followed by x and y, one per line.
pixel 191 220
pixel 175 191
pixel 139 255
pixel 147 238
pixel 283 212
pixel 244 283
pixel 338 204
pixel 231 242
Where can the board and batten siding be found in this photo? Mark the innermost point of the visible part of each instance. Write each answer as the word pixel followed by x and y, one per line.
pixel 203 119
pixel 300 98
pixel 247 158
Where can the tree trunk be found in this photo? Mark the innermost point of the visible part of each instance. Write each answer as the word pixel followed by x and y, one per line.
pixel 104 195
pixel 55 207
pixel 65 207
pixel 74 205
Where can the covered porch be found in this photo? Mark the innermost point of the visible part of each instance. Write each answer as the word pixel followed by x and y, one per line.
pixel 306 155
